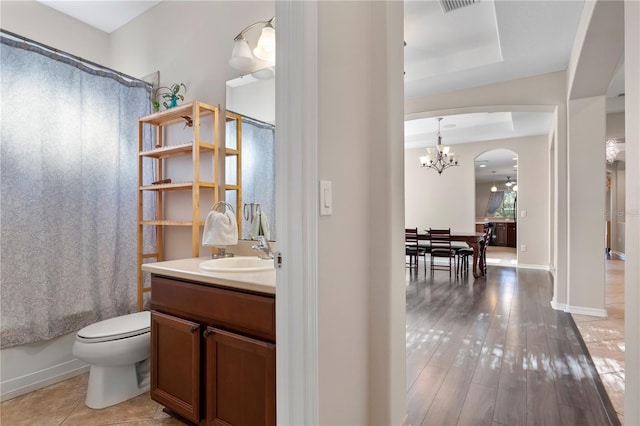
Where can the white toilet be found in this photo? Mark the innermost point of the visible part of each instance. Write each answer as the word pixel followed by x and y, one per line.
pixel 118 352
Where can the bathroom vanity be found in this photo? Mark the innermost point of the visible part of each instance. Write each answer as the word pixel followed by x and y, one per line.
pixel 213 343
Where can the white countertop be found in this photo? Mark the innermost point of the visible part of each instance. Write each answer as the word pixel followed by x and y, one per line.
pixel 189 269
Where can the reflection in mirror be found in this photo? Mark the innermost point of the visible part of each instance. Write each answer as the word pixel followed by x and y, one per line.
pixel 250 129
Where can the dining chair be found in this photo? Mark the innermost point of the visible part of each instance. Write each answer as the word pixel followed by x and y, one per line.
pixel 486 240
pixel 414 248
pixel 441 248
pixel 462 260
pixel 411 247
pixel 463 254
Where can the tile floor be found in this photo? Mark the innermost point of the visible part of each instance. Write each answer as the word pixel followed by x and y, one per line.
pixel 604 337
pixel 62 404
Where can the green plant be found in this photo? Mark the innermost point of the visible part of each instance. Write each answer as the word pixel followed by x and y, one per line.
pixel 171 95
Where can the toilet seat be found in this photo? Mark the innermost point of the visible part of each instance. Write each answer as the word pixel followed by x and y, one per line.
pixel 116 328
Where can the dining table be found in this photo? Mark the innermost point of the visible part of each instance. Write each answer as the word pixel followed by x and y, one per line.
pixel 473 239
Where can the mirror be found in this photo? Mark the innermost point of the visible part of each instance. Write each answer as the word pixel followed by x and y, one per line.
pixel 250 124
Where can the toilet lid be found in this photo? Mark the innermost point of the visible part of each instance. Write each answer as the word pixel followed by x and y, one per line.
pixel 117 328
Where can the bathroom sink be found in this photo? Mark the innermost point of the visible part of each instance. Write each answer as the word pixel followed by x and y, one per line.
pixel 237 264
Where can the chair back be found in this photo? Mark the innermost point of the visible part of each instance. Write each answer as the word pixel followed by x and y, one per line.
pixel 440 239
pixel 486 238
pixel 411 237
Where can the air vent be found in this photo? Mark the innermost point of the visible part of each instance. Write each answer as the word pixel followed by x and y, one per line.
pixel 449 5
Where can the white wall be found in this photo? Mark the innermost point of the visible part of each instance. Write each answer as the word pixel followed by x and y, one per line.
pixel 43 24
pixel 632 234
pixel 256 100
pixel 586 292
pixel 448 200
pixel 615 129
pixel 361 279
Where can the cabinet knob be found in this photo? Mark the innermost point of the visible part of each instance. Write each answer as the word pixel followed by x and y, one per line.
pixel 194 329
pixel 206 333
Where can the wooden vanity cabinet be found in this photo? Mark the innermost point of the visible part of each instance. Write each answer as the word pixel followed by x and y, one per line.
pixel 213 353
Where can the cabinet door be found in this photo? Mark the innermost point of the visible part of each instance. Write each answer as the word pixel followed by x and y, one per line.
pixel 501 234
pixel 511 235
pixel 175 364
pixel 241 380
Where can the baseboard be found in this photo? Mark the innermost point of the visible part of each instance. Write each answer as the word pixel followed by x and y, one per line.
pixel 40 379
pixel 540 267
pixel 558 306
pixel 580 310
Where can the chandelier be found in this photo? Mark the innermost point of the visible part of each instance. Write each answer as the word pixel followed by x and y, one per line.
pixel 438 157
pixel 611 150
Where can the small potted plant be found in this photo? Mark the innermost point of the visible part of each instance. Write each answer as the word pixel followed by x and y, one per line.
pixel 171 95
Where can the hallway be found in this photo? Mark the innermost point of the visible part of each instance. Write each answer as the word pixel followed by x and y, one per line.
pixel 494 352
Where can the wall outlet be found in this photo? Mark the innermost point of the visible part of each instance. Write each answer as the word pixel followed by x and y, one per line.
pixel 523 247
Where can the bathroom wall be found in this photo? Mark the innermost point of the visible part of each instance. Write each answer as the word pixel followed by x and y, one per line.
pixel 186 43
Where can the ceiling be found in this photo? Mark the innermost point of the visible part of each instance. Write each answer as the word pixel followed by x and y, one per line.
pixel 485 42
pixel 482 43
pixel 104 15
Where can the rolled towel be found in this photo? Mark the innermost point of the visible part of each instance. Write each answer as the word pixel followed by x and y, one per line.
pixel 254 227
pixel 264 226
pixel 220 229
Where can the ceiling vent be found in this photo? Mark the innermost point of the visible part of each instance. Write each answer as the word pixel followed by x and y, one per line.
pixel 449 5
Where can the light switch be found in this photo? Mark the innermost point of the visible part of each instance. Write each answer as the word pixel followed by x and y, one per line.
pixel 326 202
pixel 523 213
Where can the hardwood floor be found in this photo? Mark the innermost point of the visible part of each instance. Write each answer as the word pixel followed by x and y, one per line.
pixel 493 352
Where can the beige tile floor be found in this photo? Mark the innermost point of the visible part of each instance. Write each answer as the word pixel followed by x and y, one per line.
pixel 62 404
pixel 604 337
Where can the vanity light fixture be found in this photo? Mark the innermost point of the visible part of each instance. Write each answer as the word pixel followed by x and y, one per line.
pixel 438 157
pixel 244 59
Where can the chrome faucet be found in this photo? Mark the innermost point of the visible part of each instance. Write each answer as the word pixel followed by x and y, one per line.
pixel 264 252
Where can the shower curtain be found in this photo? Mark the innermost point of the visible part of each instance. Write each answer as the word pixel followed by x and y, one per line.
pixel 258 169
pixel 68 181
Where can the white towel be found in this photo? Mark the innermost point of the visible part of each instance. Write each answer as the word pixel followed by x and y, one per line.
pixel 259 225
pixel 264 226
pixel 220 229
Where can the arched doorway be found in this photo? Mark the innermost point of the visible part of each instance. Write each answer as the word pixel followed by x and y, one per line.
pixel 496 200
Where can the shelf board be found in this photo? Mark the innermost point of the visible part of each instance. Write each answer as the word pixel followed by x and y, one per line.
pixel 231 151
pixel 167 186
pixel 231 187
pixel 166 222
pixel 177 114
pixel 175 150
pixel 176 186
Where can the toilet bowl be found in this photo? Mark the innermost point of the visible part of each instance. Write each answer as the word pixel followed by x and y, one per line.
pixel 117 351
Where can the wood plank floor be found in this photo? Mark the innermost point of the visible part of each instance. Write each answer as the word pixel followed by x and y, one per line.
pixel 493 352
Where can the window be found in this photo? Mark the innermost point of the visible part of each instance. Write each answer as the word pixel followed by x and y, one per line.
pixel 508 206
